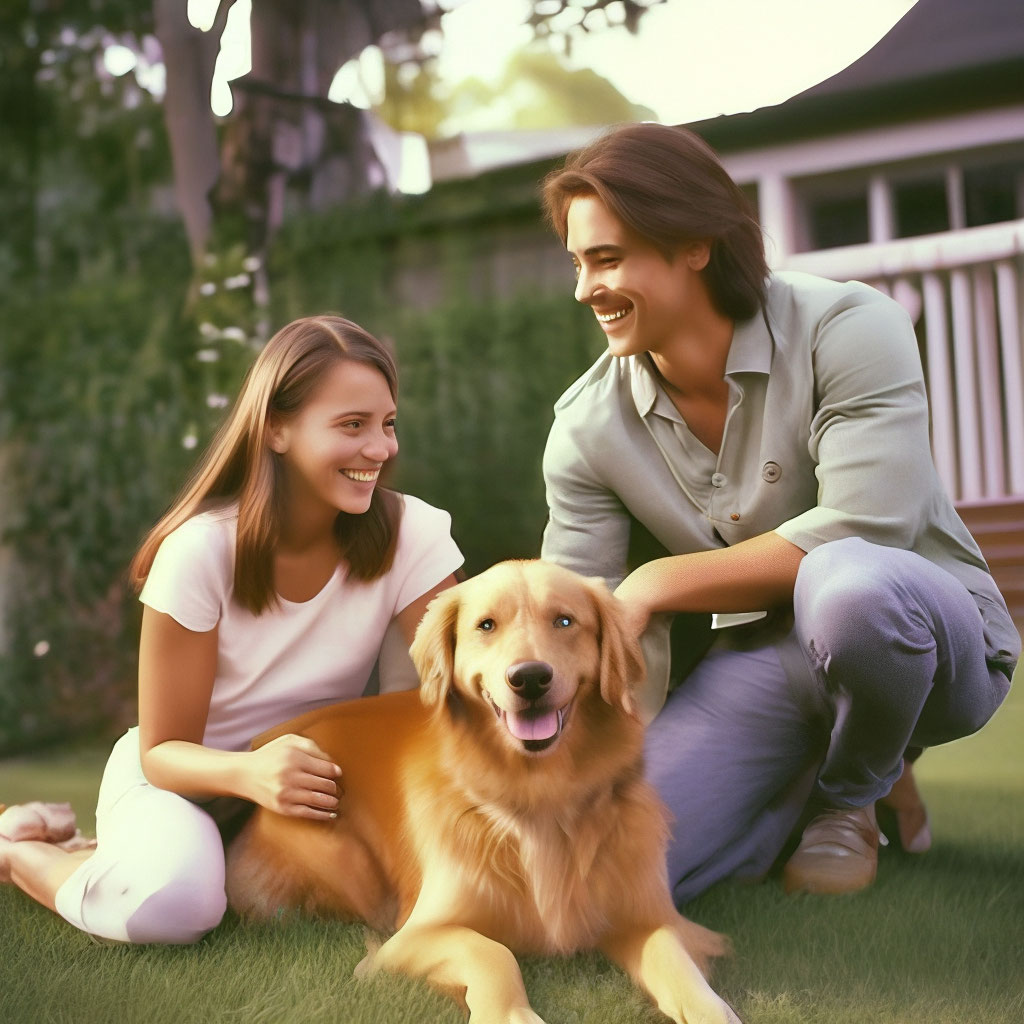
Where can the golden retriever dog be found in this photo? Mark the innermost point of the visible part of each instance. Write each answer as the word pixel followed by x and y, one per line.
pixel 500 809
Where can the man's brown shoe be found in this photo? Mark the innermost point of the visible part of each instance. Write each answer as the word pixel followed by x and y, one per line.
pixel 838 853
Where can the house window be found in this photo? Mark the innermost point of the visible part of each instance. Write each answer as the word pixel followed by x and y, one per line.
pixel 920 207
pixel 837 220
pixel 993 194
pixel 882 203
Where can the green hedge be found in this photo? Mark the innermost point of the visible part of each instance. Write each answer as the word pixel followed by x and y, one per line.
pixel 478 379
pixel 102 387
pixel 93 398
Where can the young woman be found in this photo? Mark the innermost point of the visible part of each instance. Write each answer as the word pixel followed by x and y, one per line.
pixel 267 590
pixel 770 430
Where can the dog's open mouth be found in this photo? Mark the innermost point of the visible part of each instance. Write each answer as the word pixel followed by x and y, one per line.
pixel 536 728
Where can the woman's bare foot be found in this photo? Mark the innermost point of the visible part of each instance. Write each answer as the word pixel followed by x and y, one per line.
pixel 77 842
pixel 48 823
pixel 38 822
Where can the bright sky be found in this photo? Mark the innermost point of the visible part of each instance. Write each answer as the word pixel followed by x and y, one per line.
pixel 691 58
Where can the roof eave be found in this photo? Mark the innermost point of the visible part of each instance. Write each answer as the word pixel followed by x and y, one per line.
pixel 807 115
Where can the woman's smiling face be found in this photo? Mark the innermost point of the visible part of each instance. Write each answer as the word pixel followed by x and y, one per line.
pixel 335 445
pixel 640 297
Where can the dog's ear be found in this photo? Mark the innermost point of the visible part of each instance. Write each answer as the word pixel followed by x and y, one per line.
pixel 622 662
pixel 433 648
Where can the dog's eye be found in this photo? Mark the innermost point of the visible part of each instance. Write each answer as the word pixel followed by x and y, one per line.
pixel 561 621
pixel 485 625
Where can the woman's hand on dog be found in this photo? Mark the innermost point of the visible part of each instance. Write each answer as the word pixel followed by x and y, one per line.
pixel 291 775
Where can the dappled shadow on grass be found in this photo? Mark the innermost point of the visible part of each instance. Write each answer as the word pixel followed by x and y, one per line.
pixel 938 938
pixel 585 989
pixel 296 971
pixel 299 971
pixel 935 941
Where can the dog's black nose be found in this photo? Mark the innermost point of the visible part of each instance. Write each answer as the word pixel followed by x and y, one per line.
pixel 530 679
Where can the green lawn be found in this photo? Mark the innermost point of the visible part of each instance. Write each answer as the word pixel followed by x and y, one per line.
pixel 938 940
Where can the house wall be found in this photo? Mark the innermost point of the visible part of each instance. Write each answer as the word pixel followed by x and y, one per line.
pixel 936 208
pixel 787 176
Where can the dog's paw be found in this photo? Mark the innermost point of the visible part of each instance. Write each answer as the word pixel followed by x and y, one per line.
pixel 715 1011
pixel 367 966
pixel 729 1018
pixel 524 1015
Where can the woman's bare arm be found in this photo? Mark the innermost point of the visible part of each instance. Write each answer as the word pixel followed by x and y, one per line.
pixel 177 667
pixel 409 617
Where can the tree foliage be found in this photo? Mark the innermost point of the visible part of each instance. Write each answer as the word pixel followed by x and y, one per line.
pixel 537 91
pixel 283 134
pixel 111 381
pixel 58 113
pixel 107 401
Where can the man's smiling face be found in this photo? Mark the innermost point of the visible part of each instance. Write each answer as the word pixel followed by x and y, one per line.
pixel 640 297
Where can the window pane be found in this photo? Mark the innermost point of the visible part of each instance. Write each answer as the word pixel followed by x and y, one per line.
pixel 990 194
pixel 838 220
pixel 920 207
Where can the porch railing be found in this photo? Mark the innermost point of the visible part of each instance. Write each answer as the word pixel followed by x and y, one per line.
pixel 965 292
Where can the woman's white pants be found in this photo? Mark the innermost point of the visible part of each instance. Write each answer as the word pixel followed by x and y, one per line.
pixel 157 874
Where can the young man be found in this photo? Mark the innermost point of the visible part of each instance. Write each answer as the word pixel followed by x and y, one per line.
pixel 770 431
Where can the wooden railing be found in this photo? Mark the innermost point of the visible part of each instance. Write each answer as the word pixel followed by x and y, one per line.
pixel 965 292
pixel 998 527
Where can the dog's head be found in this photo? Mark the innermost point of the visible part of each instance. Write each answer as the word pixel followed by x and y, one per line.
pixel 523 647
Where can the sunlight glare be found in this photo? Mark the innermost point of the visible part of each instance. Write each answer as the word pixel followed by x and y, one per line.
pixel 360 81
pixel 234 59
pixel 119 60
pixel 690 59
pixel 201 13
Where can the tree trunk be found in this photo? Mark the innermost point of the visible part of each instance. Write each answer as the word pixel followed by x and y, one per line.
pixel 285 131
pixel 189 58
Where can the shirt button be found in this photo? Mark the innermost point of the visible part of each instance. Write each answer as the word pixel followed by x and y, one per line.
pixel 718 480
pixel 735 517
pixel 770 472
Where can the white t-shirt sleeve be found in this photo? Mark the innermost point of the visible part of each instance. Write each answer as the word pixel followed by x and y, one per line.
pixel 192 574
pixel 425 554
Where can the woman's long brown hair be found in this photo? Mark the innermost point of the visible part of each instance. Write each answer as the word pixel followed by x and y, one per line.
pixel 239 466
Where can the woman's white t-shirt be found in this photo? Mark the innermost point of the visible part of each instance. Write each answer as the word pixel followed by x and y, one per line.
pixel 296 656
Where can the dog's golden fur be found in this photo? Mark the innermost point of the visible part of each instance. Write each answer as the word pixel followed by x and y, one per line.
pixel 502 807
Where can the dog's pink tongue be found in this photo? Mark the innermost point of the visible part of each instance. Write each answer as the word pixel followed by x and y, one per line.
pixel 532 727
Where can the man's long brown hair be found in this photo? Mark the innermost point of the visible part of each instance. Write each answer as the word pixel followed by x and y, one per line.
pixel 239 467
pixel 668 185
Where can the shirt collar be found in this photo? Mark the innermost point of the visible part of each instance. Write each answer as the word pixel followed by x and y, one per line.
pixel 749 352
pixel 751 348
pixel 643 383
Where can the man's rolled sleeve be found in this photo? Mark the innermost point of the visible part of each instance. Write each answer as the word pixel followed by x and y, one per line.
pixel 869 435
